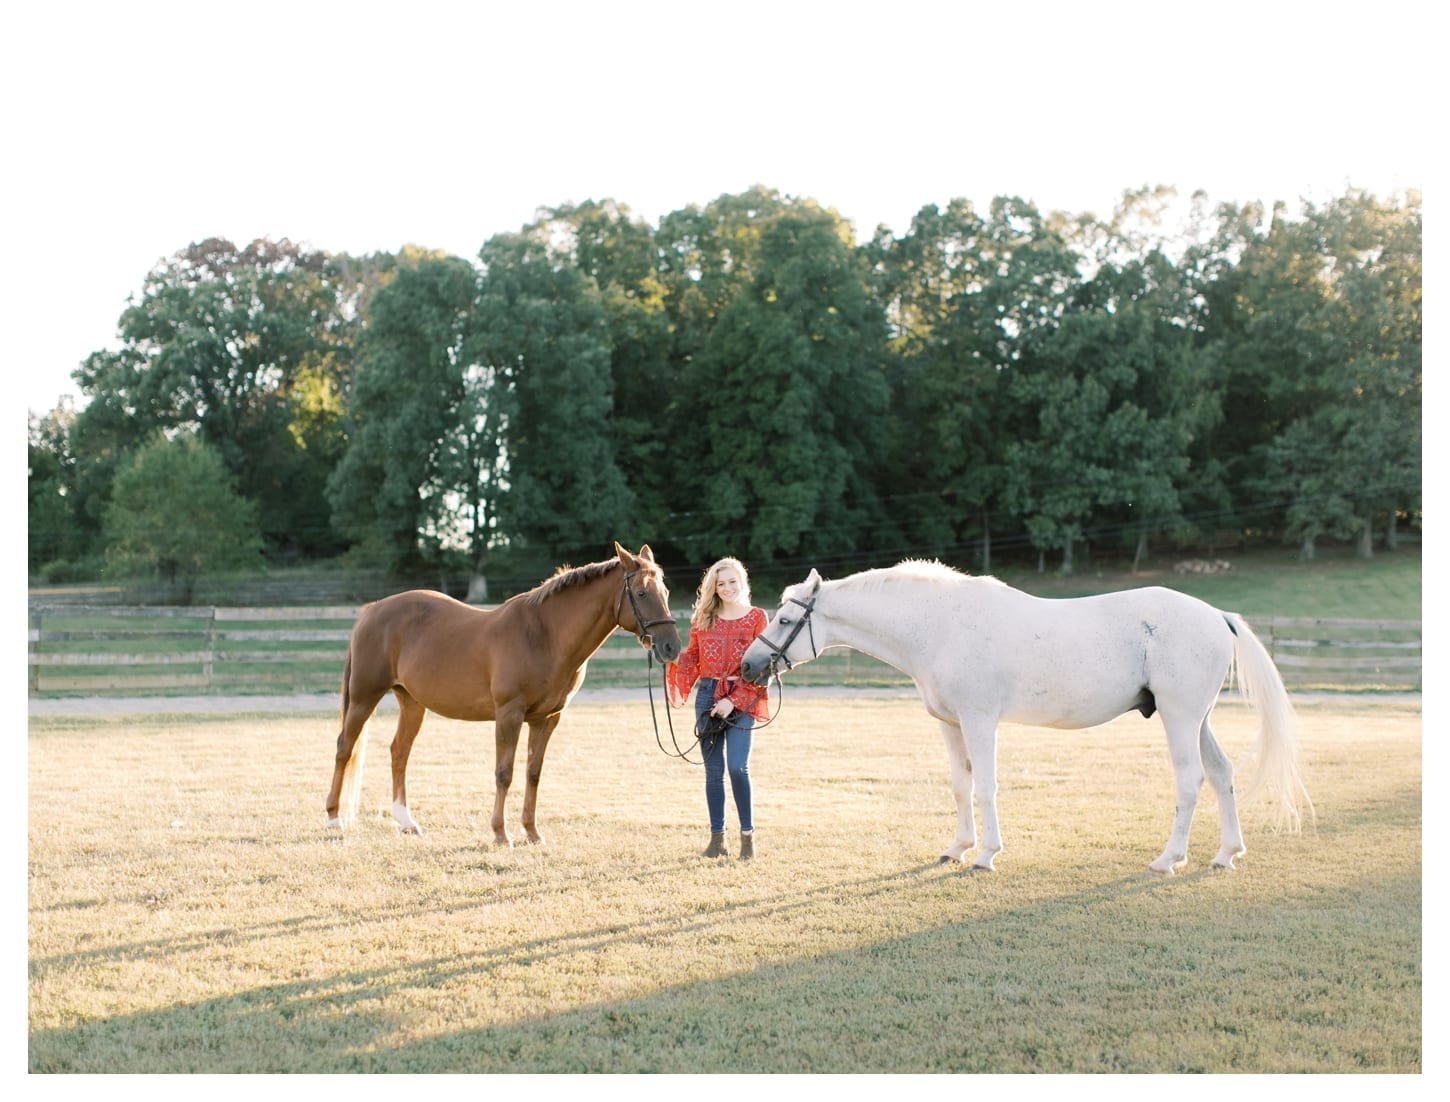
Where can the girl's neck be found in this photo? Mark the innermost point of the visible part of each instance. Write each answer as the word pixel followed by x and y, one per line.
pixel 732 612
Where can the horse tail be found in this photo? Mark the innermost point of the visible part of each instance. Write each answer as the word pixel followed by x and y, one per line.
pixel 1274 754
pixel 352 772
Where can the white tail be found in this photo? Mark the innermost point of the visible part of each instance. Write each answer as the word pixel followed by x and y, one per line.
pixel 1274 756
pixel 352 778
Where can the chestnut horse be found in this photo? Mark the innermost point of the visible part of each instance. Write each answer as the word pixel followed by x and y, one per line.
pixel 519 663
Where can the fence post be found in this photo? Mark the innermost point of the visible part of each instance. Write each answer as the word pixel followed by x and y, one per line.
pixel 31 649
pixel 208 668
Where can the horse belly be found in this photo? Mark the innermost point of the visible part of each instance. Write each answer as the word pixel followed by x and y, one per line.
pixel 453 689
pixel 1082 690
pixel 1072 714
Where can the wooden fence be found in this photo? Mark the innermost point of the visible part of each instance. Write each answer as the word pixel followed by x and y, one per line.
pixel 119 651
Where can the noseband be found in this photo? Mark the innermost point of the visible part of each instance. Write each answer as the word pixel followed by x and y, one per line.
pixel 777 653
pixel 642 625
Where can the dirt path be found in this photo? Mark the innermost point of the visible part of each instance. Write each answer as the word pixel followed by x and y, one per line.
pixel 328 702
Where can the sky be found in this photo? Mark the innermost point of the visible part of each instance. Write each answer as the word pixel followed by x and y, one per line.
pixel 134 129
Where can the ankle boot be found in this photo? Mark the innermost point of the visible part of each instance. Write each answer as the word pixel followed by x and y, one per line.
pixel 716 847
pixel 747 845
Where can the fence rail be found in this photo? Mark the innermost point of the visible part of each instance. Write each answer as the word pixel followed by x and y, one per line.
pixel 134 651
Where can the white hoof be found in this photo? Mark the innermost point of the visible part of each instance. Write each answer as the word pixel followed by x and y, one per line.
pixel 405 819
pixel 1225 857
pixel 334 824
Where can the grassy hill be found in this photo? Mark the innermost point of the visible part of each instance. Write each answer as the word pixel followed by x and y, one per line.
pixel 1335 585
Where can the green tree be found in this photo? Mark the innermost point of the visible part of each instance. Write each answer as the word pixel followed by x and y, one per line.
pixel 247 347
pixel 1328 322
pixel 543 335
pixel 705 256
pixel 965 295
pixel 416 473
pixel 175 514
pixel 789 392
pixel 54 532
pixel 1134 325
pixel 619 255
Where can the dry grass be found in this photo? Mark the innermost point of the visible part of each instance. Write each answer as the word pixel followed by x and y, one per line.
pixel 189 913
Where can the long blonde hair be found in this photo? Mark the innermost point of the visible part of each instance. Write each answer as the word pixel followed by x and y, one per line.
pixel 707 600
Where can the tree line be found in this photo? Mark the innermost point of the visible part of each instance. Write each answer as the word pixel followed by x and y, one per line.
pixel 746 378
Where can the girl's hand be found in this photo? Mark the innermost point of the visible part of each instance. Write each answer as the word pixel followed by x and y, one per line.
pixel 723 707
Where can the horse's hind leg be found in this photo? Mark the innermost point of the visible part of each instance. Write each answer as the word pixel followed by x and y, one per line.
pixel 538 742
pixel 961 764
pixel 1221 776
pixel 347 767
pixel 410 719
pixel 1187 780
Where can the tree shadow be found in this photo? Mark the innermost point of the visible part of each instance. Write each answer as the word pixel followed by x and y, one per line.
pixel 818 1013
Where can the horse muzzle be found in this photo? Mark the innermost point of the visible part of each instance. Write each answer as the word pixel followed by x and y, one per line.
pixel 666 645
pixel 756 670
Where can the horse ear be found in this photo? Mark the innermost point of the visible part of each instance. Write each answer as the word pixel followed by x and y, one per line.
pixel 646 554
pixel 621 554
pixel 814 578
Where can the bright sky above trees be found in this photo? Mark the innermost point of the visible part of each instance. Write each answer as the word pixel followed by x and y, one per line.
pixel 144 127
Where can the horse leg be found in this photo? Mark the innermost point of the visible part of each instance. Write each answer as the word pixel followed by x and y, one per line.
pixel 347 768
pixel 506 726
pixel 1221 776
pixel 1187 779
pixel 410 719
pixel 981 742
pixel 538 742
pixel 966 836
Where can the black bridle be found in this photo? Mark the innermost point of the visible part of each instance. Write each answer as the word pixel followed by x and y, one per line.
pixel 777 653
pixel 641 625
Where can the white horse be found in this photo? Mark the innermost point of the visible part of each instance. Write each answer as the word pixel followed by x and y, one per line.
pixel 981 652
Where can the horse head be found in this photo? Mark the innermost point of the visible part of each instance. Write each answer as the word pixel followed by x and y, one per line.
pixel 644 604
pixel 779 644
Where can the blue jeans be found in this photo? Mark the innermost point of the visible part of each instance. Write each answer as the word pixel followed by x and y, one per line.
pixel 729 753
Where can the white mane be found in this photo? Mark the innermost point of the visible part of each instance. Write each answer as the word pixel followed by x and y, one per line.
pixel 908 570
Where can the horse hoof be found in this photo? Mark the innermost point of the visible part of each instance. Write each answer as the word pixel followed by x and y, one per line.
pixel 334 824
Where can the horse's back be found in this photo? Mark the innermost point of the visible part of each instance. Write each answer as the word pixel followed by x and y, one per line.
pixel 1080 661
pixel 407 614
pixel 419 629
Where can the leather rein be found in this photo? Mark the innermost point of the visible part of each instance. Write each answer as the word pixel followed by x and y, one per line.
pixel 684 755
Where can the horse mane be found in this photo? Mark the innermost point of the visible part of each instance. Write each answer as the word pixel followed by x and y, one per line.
pixel 567 577
pixel 912 570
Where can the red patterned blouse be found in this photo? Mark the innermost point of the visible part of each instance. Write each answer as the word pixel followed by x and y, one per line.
pixel 716 652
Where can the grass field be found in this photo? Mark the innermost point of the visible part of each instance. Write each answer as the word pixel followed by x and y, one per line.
pixel 188 913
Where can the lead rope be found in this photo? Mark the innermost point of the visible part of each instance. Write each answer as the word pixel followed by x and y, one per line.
pixel 683 755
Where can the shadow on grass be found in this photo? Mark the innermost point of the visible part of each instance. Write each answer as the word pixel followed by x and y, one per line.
pixel 1124 976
